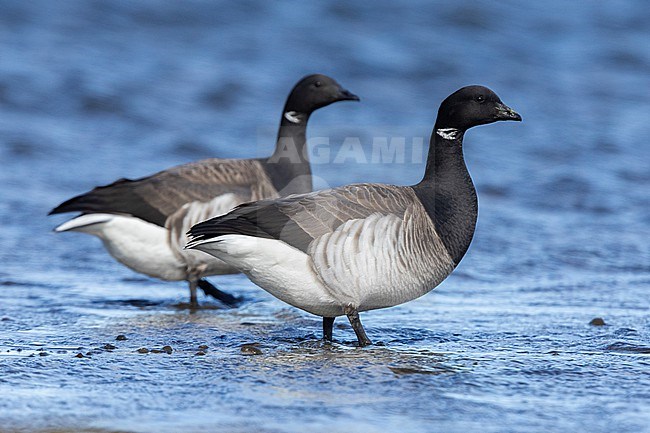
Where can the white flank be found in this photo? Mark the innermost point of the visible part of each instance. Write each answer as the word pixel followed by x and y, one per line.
pixel 135 243
pixel 283 271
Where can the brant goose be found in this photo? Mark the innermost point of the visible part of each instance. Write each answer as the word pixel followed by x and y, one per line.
pixel 364 246
pixel 143 222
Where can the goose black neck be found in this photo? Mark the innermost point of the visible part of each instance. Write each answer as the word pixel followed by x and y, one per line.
pixel 288 167
pixel 447 192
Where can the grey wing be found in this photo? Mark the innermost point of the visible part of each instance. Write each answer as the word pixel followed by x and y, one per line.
pixel 156 197
pixel 299 219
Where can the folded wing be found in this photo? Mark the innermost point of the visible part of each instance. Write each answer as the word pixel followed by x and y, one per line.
pixel 155 198
pixel 298 220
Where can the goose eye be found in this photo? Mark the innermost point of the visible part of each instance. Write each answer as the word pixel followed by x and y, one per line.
pixel 318 84
pixel 480 99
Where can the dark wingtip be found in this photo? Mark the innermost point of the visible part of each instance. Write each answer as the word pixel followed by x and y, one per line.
pixel 56 210
pixel 70 205
pixel 197 233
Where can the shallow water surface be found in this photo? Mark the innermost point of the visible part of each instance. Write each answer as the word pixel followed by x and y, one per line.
pixel 93 91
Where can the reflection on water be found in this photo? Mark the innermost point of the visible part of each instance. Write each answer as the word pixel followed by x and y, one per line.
pixel 94 91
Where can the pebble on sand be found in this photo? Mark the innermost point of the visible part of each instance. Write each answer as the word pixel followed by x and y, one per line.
pixel 250 349
pixel 597 321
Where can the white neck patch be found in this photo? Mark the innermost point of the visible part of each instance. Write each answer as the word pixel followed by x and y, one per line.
pixel 449 133
pixel 293 116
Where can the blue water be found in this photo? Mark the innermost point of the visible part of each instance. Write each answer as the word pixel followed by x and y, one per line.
pixel 91 91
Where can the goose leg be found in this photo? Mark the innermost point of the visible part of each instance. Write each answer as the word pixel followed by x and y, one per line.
pixel 211 290
pixel 328 324
pixel 194 303
pixel 353 317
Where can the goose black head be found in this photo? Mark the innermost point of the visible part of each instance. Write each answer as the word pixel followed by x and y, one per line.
pixel 313 92
pixel 472 106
